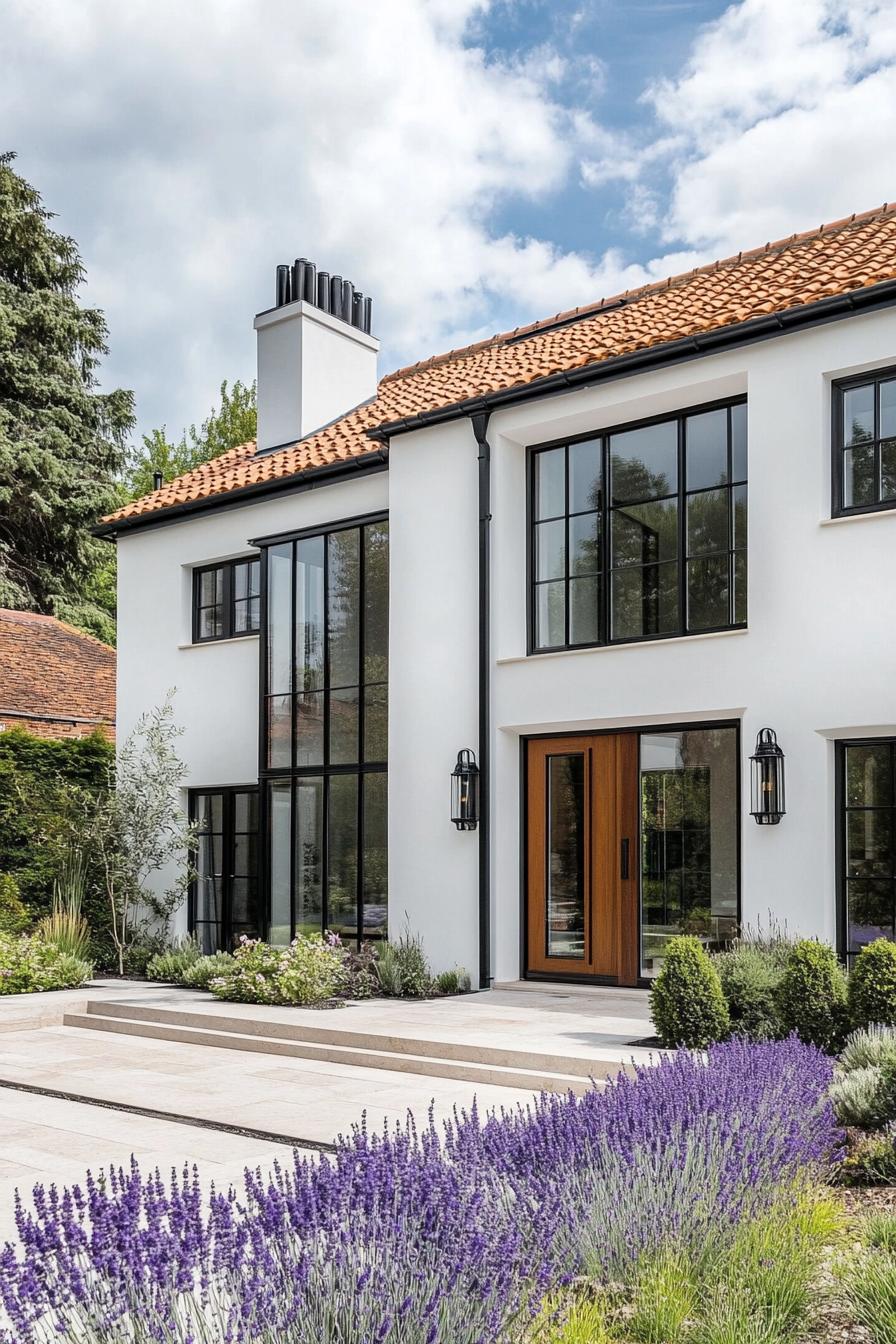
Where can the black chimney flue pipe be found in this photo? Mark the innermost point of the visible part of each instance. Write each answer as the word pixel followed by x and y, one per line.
pixel 302 281
pixel 336 295
pixel 297 288
pixel 158 480
pixel 310 282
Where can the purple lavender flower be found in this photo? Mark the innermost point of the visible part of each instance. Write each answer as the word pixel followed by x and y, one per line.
pixel 423 1237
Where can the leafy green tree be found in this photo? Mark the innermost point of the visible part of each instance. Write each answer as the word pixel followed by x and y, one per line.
pixel 231 423
pixel 137 832
pixel 62 442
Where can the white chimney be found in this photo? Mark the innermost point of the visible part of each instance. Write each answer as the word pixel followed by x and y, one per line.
pixel 316 357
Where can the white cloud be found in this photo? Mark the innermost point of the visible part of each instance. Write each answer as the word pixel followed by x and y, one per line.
pixel 191 147
pixel 786 118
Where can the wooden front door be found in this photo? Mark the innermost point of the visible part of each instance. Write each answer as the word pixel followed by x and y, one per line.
pixel 582 854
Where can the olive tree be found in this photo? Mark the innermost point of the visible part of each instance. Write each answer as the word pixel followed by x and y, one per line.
pixel 139 834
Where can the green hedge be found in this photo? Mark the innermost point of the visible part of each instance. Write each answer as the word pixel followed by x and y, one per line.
pixel 80 760
pixel 37 776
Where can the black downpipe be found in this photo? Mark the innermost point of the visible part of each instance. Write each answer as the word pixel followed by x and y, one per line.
pixel 479 422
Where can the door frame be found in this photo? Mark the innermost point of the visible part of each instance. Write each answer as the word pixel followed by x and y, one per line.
pixel 640 730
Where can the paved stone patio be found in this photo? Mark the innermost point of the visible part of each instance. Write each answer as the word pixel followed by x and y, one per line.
pixel 54 1140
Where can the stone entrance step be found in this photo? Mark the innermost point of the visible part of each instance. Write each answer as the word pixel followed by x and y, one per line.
pixel 528 1070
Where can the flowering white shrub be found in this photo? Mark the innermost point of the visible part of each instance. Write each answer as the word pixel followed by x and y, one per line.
pixel 310 970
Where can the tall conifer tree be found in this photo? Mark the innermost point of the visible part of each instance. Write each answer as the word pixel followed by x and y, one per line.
pixel 62 441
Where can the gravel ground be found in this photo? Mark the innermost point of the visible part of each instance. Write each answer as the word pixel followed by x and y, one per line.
pixel 832 1323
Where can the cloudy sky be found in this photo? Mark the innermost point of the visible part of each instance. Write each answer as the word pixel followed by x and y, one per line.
pixel 472 164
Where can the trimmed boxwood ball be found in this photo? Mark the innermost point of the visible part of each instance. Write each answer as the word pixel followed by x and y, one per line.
pixel 872 985
pixel 812 995
pixel 686 1000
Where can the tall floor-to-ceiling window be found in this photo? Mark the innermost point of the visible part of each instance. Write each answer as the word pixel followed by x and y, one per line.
pixel 324 716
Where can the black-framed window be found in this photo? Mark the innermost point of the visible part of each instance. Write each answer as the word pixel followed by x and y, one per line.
pixel 324 730
pixel 864 443
pixel 227 600
pixel 640 532
pixel 224 902
pixel 866 841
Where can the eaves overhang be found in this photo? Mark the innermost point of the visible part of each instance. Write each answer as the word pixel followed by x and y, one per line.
pixel 864 300
pixel 367 463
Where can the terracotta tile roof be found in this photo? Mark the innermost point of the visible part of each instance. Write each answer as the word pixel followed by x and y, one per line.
pixel 826 262
pixel 54 680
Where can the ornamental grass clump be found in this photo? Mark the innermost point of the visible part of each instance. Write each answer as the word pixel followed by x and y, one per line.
pixel 453 1237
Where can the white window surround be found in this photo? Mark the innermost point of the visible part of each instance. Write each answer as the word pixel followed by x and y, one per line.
pixel 621 645
pixel 216 643
pixel 858 517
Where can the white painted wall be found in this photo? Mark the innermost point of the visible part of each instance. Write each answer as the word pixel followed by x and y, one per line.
pixel 433 686
pixel 216 684
pixel 818 661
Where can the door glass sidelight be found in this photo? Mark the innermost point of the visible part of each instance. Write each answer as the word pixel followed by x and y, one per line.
pixel 566 855
pixel 689 838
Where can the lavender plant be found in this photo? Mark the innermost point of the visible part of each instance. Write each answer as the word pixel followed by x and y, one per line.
pixel 451 1237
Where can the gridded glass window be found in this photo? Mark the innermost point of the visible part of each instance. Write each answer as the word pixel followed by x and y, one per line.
pixel 224 893
pixel 864 443
pixel 867 840
pixel 641 533
pixel 326 730
pixel 227 600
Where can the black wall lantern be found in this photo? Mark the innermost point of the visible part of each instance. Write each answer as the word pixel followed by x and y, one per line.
pixel 767 779
pixel 465 791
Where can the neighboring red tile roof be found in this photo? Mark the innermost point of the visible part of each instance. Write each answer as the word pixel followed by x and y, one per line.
pixel 827 262
pixel 54 680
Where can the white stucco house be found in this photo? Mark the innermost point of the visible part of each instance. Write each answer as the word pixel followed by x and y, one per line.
pixel 601 553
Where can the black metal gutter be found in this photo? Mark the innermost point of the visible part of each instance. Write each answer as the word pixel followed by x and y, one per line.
pixel 672 352
pixel 375 460
pixel 479 421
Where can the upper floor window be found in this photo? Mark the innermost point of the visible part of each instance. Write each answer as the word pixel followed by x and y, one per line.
pixel 640 532
pixel 864 442
pixel 226 600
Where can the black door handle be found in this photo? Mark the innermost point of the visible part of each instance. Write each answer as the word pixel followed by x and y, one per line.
pixel 623 860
